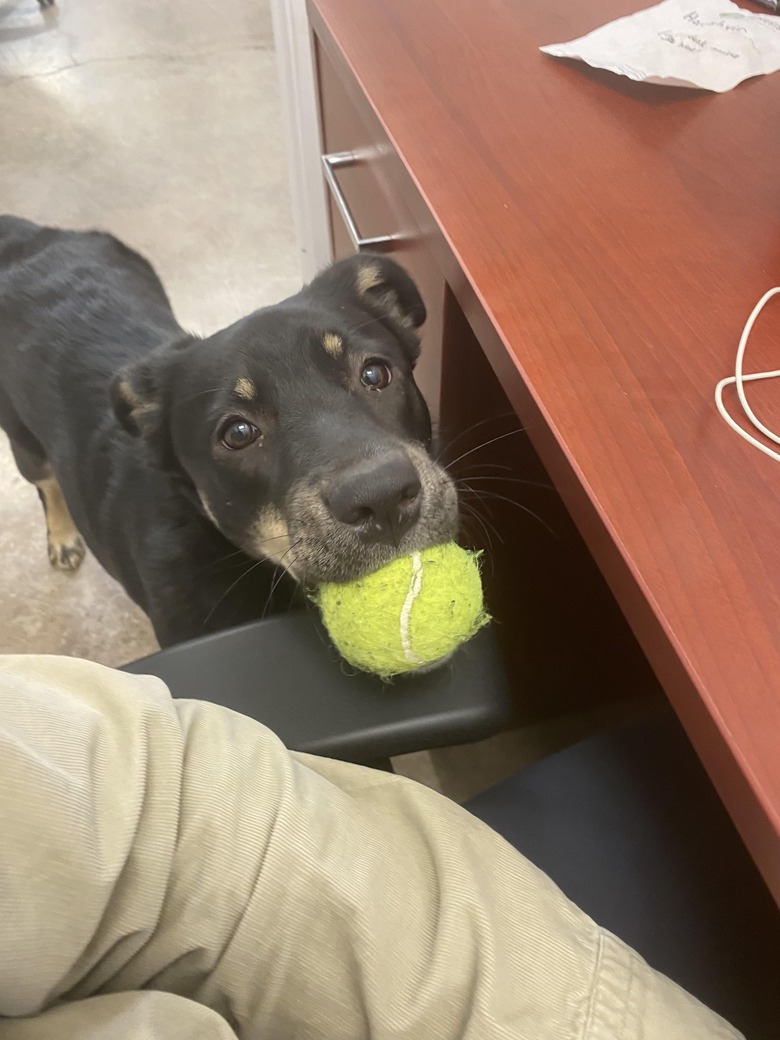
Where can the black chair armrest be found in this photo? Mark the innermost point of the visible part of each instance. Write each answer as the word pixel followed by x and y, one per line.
pixel 284 673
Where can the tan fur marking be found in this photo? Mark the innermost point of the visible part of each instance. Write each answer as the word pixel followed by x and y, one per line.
pixel 388 302
pixel 245 388
pixel 269 537
pixel 138 406
pixel 129 394
pixel 334 345
pixel 137 403
pixel 368 276
pixel 66 549
pixel 207 508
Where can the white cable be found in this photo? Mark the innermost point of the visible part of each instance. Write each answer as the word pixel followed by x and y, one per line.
pixel 739 379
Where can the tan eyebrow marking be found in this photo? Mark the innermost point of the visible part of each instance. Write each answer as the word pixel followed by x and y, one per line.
pixel 245 388
pixel 333 344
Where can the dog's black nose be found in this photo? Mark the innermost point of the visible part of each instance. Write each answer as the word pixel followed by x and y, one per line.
pixel 380 497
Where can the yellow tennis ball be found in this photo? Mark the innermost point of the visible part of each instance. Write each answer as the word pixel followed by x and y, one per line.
pixel 409 615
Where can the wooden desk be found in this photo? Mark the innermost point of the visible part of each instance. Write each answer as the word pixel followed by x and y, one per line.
pixel 606 241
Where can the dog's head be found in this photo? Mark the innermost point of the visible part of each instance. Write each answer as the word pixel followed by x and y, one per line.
pixel 301 429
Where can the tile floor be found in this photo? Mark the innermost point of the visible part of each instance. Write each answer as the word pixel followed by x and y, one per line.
pixel 161 122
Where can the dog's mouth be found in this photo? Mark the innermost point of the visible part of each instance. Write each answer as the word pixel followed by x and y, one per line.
pixel 318 539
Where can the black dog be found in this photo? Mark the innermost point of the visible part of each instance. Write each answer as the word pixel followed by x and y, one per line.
pixel 296 436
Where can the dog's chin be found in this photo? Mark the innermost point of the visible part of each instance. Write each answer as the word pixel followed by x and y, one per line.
pixel 339 554
pixel 318 566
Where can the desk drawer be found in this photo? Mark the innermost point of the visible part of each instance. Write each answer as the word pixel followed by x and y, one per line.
pixel 370 192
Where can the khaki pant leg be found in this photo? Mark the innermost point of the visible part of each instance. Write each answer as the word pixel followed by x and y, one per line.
pixel 177 846
pixel 122 1016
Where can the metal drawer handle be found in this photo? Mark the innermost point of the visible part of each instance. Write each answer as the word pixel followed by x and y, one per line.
pixel 339 161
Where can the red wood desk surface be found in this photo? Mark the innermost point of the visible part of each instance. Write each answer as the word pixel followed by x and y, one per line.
pixel 608 241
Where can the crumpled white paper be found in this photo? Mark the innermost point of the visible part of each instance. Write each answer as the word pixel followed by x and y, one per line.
pixel 711 44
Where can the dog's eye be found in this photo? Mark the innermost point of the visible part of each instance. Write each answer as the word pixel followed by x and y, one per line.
pixel 376 375
pixel 238 433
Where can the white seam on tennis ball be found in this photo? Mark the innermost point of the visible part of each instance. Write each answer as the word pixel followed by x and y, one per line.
pixel 415 585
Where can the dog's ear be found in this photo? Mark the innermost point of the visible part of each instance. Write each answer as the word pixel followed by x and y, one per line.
pixel 135 398
pixel 379 285
pixel 384 285
pixel 139 399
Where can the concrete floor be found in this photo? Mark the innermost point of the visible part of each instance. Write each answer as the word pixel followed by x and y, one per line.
pixel 160 122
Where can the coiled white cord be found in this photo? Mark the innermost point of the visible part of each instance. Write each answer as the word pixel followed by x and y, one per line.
pixel 739 379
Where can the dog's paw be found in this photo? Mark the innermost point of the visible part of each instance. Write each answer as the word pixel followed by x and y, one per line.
pixel 67 556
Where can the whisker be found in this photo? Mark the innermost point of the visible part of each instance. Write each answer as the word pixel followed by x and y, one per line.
pixel 243 575
pixel 310 606
pixel 504 480
pixel 277 581
pixel 230 589
pixel 486 522
pixel 485 444
pixel 482 495
pixel 486 540
pixel 282 568
pixel 365 324
pixel 485 525
pixel 478 466
pixel 198 393
pixel 470 429
pixel 222 559
pixel 239 552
